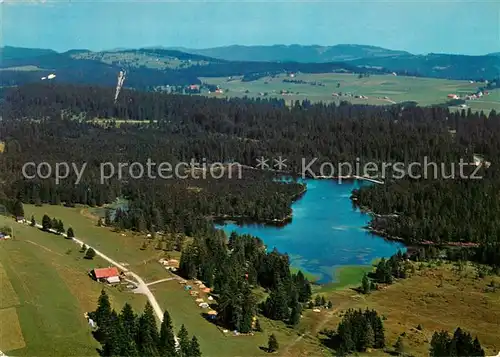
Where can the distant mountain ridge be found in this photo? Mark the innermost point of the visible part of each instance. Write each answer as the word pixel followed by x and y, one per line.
pixel 294 53
pixel 159 66
pixel 437 65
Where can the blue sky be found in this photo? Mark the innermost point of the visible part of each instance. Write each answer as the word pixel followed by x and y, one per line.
pixel 452 26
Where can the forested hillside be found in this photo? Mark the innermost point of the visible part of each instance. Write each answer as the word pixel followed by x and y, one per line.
pixel 55 123
pixel 146 68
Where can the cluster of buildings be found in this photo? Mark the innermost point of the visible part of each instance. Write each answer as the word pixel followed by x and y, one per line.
pixel 472 96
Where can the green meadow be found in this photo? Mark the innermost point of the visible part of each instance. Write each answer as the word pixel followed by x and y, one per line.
pixel 379 89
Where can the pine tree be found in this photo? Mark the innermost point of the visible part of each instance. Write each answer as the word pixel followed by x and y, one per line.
pixel 166 344
pixel 295 313
pixel 128 320
pixel 83 249
pixel 114 335
pixel 194 348
pixel 107 218
pixel 90 254
pixel 54 223
pixel 272 344
pixel 276 306
pixel 317 300
pixel 440 344
pixel 184 342
pixel 477 350
pixel 329 305
pixel 147 336
pixel 103 315
pixel 18 209
pixel 46 223
pixel 322 301
pixel 258 328
pixel 128 346
pixel 33 222
pixel 70 233
pixel 365 285
pixel 378 330
pixel 60 227
pixel 400 347
pixel 369 337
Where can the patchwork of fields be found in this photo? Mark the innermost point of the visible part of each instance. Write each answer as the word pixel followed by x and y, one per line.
pixel 379 89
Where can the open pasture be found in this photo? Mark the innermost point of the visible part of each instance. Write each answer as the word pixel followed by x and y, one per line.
pixel 379 89
pixel 436 298
pixel 45 284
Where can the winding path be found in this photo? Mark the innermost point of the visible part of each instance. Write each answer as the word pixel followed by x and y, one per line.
pixel 142 287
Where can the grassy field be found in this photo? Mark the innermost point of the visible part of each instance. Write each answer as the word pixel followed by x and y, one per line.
pixel 46 291
pixel 424 91
pixel 346 277
pixel 437 298
pixel 126 247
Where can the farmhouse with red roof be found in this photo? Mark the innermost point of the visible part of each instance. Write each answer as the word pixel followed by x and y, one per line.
pixel 110 275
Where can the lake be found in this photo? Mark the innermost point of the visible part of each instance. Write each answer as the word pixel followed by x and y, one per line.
pixel 326 232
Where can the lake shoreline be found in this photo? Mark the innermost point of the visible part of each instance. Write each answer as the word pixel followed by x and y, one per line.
pixel 281 222
pixel 327 239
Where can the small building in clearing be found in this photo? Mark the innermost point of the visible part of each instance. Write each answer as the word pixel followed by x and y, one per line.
pixel 110 275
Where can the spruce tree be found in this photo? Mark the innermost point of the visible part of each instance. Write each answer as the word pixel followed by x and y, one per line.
pixel 272 344
pixel 166 344
pixel 276 305
pixel 70 233
pixel 369 337
pixel 60 227
pixel 90 254
pixel 46 223
pixel 400 347
pixel 18 209
pixel 365 285
pixel 440 344
pixel 107 218
pixel 54 223
pixel 477 350
pixel 147 337
pixel 114 336
pixel 194 348
pixel 184 343
pixel 128 346
pixel 103 315
pixel 128 320
pixel 258 328
pixel 295 313
pixel 317 300
pixel 33 222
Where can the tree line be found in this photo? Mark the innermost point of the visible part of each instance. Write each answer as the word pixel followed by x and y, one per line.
pixel 234 267
pixel 128 334
pixel 179 128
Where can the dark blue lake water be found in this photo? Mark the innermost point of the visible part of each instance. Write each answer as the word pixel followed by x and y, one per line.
pixel 326 231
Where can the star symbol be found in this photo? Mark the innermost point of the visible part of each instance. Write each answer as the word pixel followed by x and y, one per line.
pixel 280 163
pixel 262 163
